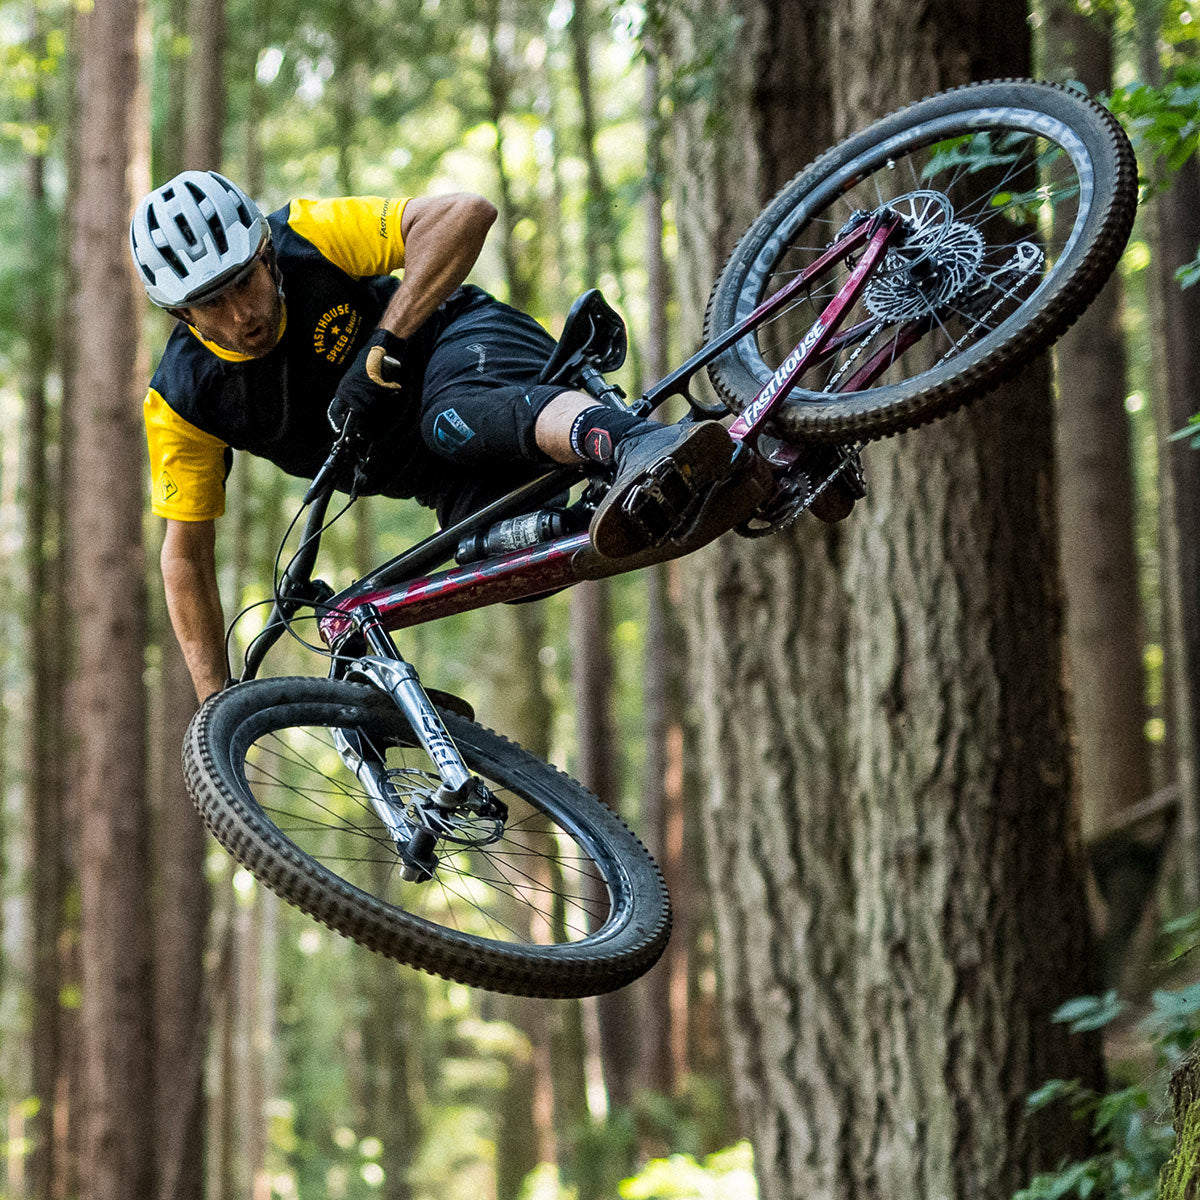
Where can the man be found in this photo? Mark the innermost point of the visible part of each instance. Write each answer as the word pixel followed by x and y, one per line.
pixel 279 314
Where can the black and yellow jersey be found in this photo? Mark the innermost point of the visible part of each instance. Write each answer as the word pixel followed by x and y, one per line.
pixel 335 257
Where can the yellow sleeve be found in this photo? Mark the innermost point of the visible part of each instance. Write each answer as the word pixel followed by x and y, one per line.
pixel 187 465
pixel 359 234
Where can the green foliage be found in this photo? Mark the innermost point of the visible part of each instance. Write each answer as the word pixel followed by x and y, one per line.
pixel 1128 1129
pixel 1163 121
pixel 725 1175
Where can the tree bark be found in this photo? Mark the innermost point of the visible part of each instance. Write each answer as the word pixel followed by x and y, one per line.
pixel 1181 1176
pixel 1176 320
pixel 891 848
pixel 1095 496
pixel 183 902
pixel 44 746
pixel 204 121
pixel 662 1054
pixel 108 592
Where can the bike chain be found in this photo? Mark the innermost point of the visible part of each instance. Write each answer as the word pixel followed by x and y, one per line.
pixel 1014 266
pixel 794 514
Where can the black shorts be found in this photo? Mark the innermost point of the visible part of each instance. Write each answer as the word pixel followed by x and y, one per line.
pixel 480 400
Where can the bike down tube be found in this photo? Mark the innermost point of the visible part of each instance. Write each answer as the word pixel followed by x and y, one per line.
pixel 522 574
pixel 750 423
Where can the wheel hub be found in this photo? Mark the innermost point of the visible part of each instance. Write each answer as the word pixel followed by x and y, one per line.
pixel 938 259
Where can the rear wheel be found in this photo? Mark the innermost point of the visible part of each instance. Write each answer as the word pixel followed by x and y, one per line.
pixel 547 894
pixel 1017 199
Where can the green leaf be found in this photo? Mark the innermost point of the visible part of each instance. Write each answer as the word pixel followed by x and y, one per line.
pixel 1054 1089
pixel 1089 1012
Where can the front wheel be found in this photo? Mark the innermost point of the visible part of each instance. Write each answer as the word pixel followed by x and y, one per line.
pixel 1016 200
pixel 552 897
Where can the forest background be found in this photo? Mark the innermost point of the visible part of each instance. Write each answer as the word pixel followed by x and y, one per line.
pixel 966 722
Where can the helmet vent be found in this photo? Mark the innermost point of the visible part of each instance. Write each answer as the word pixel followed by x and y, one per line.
pixel 218 232
pixel 186 230
pixel 173 261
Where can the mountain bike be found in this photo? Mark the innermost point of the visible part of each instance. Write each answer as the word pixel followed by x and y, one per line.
pixel 904 273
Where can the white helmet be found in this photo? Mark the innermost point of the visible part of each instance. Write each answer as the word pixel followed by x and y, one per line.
pixel 191 236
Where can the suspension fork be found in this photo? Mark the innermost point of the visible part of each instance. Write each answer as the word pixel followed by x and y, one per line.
pixel 387 670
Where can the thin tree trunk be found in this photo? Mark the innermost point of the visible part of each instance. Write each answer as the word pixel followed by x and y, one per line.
pixel 205 111
pixel 183 902
pixel 591 608
pixel 662 1056
pixel 1095 491
pixel 107 587
pixel 1099 561
pixel 43 743
pixel 1176 319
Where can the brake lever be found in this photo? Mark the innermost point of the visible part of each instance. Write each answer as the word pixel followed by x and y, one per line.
pixel 348 442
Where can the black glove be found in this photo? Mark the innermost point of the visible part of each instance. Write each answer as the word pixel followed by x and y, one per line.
pixel 364 390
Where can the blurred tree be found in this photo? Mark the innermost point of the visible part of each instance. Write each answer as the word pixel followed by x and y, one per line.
pixel 1175 314
pixel 662 1049
pixel 47 837
pixel 1095 498
pixel 182 900
pixel 108 605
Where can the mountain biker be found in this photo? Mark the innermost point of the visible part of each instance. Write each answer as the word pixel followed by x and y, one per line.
pixel 279 313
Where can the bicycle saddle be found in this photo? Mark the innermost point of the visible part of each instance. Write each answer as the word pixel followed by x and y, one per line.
pixel 594 334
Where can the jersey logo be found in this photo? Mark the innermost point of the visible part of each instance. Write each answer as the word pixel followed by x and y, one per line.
pixel 481 353
pixel 451 431
pixel 335 333
pixel 166 487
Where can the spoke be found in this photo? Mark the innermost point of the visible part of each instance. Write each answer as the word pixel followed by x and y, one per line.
pixel 296 759
pixel 343 821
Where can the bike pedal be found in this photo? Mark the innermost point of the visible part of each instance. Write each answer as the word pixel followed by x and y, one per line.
pixel 672 483
pixel 646 507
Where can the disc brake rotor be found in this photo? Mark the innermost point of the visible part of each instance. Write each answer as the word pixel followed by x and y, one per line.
pixel 902 295
pixel 461 827
pixel 938 259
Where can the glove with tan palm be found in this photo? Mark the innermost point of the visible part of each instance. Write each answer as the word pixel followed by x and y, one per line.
pixel 369 387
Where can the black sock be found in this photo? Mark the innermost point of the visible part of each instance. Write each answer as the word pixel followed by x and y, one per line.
pixel 596 431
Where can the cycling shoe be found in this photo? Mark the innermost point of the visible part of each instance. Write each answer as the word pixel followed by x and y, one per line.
pixel 662 476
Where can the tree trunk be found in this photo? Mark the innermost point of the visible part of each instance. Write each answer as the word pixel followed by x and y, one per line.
pixel 662 1045
pixel 183 902
pixel 1179 495
pixel 891 850
pixel 1180 1178
pixel 1099 560
pixel 205 113
pixel 108 593
pixel 1095 494
pixel 43 729
pixel 1176 318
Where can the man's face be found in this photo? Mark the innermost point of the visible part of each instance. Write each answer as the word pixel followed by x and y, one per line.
pixel 244 317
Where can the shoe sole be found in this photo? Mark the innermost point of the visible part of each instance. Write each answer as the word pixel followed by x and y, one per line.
pixel 647 509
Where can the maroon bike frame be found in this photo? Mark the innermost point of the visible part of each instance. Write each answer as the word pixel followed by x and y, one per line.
pixel 571 559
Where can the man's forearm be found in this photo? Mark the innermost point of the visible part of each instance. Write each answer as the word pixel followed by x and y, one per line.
pixel 194 605
pixel 440 247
